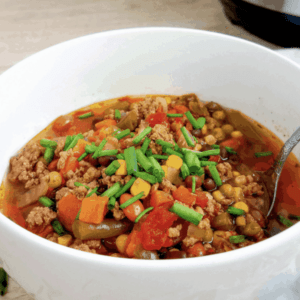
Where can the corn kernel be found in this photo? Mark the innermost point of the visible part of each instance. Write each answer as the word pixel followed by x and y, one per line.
pixel 122 169
pixel 168 99
pixel 204 130
pixel 241 205
pixel 165 169
pixel 55 180
pixel 140 185
pixel 240 180
pixel 218 134
pixel 121 242
pixel 238 194
pixel 174 161
pixel 240 221
pixel 65 240
pixel 218 196
pixel 210 139
pixel 236 173
pixel 198 147
pixel 236 134
pixel 227 190
pixel 219 115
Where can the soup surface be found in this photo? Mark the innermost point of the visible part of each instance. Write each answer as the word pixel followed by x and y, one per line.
pixel 152 177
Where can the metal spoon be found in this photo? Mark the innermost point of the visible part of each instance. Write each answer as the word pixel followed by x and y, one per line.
pixel 271 176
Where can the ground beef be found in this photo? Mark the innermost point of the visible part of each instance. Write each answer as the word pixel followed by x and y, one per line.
pixel 162 132
pixel 225 171
pixel 88 134
pixel 189 241
pixel 207 246
pixel 252 188
pixel 40 216
pixel 63 155
pixel 212 123
pixel 204 224
pixel 83 247
pixel 212 205
pixel 110 180
pixel 145 108
pixel 117 212
pixel 167 186
pixel 62 193
pixel 174 232
pixel 91 174
pixel 60 145
pixel 53 237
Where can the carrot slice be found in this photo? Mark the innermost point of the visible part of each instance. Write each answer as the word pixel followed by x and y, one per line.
pixel 53 165
pixel 105 123
pixel 79 149
pixel 159 197
pixel 71 164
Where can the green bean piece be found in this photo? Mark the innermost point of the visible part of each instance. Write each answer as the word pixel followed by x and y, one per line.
pixel 201 121
pixel 192 120
pixel 57 227
pixel 131 160
pixel 117 114
pixel 99 149
pixel 85 154
pixel 46 201
pixel 145 145
pixel 122 134
pixel 69 140
pixel 192 161
pixel 186 213
pixel 184 171
pixel 74 141
pixel 143 213
pixel 143 160
pixel 111 203
pixel 112 190
pixel 132 200
pixel 187 137
pixel 112 168
pixel 48 143
pixel 145 176
pixel 142 135
pixel 49 154
pixel 125 187
pixel 85 116
pixel 236 239
pixel 173 152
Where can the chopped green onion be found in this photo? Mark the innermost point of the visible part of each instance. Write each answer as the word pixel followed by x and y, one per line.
pixel 215 146
pixel 74 141
pixel 93 191
pixel 111 203
pixel 145 176
pixel 149 153
pixel 208 153
pixel 108 152
pixel 131 160
pixel 286 222
pixel 69 140
pixel 90 148
pixel 57 227
pixel 215 175
pixel 157 156
pixel 192 161
pixel 261 154
pixel 82 156
pixel 143 160
pixel 184 171
pixel 294 217
pixel 230 150
pixel 208 163
pixel 173 152
pixel 184 150
pixel 188 139
pixel 3 282
pixel 112 190
pixel 112 168
pixel 235 211
pixel 193 184
pixel 48 155
pixel 80 184
pixel 120 156
pixel 77 216
pixel 174 115
pixel 117 114
pixel 142 135
pixel 235 239
pixel 158 172
pixel 125 187
pixel 200 172
pixel 204 159
pixel 186 213
pixel 123 133
pixel 192 120
pixel 48 143
pixel 145 145
pixel 87 115
pixel 131 134
pixel 195 139
pixel 132 200
pixel 99 149
pixel 177 148
pixel 164 144
pixel 46 201
pixel 116 132
pixel 142 214
pixel 201 121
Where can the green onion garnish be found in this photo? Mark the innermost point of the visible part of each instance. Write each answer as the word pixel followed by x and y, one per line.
pixel 99 149
pixel 122 134
pixel 142 135
pixel 184 171
pixel 235 239
pixel 142 214
pixel 117 114
pixel 230 150
pixel 216 146
pixel 111 203
pixel 164 144
pixel 90 148
pixel 80 184
pixel 112 168
pixel 120 156
pixel 81 157
pixel 48 143
pixel 200 172
pixel 294 217
pixel 131 134
pixel 261 154
pixel 174 115
pixel 149 153
pixel 177 148
pixel 186 213
pixel 158 172
pixel 235 211
pixel 188 139
pixel 192 120
pixel 145 176
pixel 131 160
pixel 173 152
pixel 145 145
pixel 157 156
pixel 112 190
pixel 57 227
pixel 77 216
pixel 208 153
pixel 132 200
pixel 143 160
pixel 68 141
pixel 87 115
pixel 208 163
pixel 3 282
pixel 201 121
pixel 48 155
pixel 125 187
pixel 193 184
pixel 192 161
pixel 74 141
pixel 108 153
pixel 93 191
pixel 46 201
pixel 286 222
pixel 215 175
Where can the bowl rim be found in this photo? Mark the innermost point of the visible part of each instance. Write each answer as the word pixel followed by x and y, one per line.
pixel 220 259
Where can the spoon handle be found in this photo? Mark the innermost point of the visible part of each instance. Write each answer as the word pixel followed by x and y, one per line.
pixel 280 160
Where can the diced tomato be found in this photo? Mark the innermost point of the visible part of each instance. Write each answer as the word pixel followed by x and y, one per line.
pixel 201 199
pixel 215 158
pixel 234 143
pixel 189 126
pixel 180 109
pixel 159 197
pixel 196 250
pixel 182 194
pixel 53 165
pixel 160 109
pixel 133 241
pixel 71 164
pixel 157 118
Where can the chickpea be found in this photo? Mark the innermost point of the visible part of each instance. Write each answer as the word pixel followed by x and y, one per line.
pixel 210 139
pixel 219 115
pixel 227 190
pixel 218 196
pixel 251 229
pixel 227 128
pixel 55 180
pixel 236 134
pixel 218 134
pixel 121 242
pixel 238 194
pixel 240 180
pixel 240 221
pixel 204 129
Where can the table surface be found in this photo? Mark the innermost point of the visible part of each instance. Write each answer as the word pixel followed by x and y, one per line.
pixel 29 26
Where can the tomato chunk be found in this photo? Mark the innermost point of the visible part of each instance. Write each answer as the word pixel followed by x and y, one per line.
pixel 157 118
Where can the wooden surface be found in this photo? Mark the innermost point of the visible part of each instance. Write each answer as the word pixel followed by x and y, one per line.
pixel 28 26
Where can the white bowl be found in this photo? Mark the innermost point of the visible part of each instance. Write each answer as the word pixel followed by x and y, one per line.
pixel 73 74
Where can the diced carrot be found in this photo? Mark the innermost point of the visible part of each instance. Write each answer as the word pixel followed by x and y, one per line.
pixel 157 118
pixel 216 158
pixel 159 197
pixel 133 210
pixel 14 213
pixel 53 165
pixel 93 209
pixel 234 143
pixel 98 111
pixel 79 149
pixel 160 109
pixel 105 123
pixel 92 138
pixel 197 250
pixel 189 126
pixel 133 241
pixel 68 208
pixel 181 109
pixel 201 199
pixel 182 194
pixel 47 230
pixel 71 164
pixel 61 124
